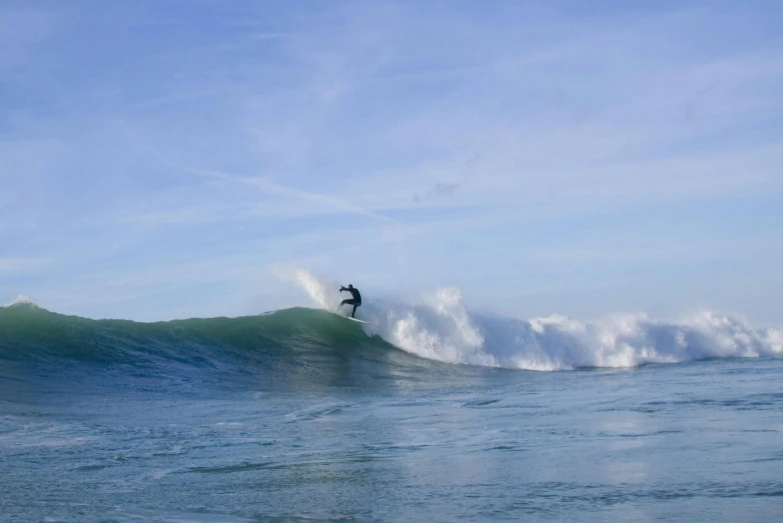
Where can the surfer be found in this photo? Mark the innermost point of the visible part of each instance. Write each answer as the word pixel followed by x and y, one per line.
pixel 355 301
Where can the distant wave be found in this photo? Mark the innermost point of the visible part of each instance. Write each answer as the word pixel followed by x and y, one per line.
pixel 440 327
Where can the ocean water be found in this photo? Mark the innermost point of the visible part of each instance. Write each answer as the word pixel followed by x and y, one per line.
pixel 432 413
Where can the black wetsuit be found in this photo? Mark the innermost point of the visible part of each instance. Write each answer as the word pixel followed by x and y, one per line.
pixel 356 301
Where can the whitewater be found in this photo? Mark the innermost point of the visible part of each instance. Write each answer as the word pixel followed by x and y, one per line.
pixel 433 412
pixel 439 327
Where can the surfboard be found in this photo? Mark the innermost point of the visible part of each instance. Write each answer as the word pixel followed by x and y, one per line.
pixel 349 318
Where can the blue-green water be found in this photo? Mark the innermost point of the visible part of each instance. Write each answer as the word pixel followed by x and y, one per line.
pixel 299 416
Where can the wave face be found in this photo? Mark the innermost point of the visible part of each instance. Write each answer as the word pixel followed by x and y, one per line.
pixel 439 327
pixel 291 348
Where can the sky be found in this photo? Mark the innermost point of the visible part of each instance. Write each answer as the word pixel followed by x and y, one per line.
pixel 164 158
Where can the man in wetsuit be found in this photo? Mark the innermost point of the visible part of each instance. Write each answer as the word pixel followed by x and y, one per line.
pixel 355 301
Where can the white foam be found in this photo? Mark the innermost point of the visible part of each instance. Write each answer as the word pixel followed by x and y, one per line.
pixel 439 327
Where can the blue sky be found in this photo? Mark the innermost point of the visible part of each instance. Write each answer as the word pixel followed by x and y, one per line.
pixel 158 158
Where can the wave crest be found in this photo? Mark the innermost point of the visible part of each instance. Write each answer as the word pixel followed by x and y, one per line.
pixel 21 302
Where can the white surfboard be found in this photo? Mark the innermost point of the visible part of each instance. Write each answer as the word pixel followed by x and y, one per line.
pixel 358 320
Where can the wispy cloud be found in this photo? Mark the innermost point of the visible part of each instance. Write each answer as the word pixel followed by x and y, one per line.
pixel 320 202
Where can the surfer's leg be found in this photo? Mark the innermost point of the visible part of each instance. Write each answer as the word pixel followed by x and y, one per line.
pixel 354 309
pixel 348 302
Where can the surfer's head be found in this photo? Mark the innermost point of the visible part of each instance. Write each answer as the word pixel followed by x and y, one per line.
pixel 350 286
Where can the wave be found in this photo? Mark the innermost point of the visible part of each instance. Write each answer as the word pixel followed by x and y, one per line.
pixel 440 327
pixel 292 348
pixel 29 332
pixel 315 345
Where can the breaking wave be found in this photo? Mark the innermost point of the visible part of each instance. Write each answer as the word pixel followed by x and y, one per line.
pixel 440 327
pixel 316 346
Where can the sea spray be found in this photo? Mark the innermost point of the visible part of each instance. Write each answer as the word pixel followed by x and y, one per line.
pixel 440 327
